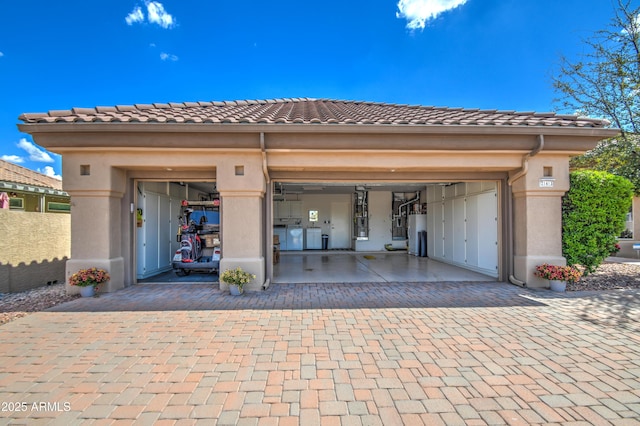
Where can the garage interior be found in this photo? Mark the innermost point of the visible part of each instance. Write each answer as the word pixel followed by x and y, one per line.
pixel 377 232
pixel 158 209
pixel 342 232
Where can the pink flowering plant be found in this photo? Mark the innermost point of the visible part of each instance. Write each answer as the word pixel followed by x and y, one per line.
pixel 615 249
pixel 88 277
pixel 558 273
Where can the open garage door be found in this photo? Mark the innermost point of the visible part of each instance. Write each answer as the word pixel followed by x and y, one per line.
pixel 159 205
pixel 453 223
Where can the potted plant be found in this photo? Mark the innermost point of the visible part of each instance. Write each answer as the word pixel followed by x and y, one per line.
pixel 558 275
pixel 236 278
pixel 615 249
pixel 89 280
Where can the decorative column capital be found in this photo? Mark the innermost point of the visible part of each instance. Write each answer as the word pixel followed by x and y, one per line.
pixel 538 193
pixel 242 193
pixel 75 193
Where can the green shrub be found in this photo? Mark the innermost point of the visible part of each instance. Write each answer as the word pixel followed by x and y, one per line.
pixel 593 215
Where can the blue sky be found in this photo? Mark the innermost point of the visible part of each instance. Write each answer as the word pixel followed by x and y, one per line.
pixel 496 54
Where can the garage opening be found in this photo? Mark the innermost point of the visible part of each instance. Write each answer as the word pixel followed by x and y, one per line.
pixel 177 232
pixel 410 231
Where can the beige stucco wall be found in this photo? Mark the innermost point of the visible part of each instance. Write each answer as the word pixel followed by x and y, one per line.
pixel 103 224
pixel 34 247
pixel 537 218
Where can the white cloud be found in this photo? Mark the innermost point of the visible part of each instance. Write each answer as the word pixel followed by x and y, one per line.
pixel 633 28
pixel 156 14
pixel 418 12
pixel 48 171
pixel 135 16
pixel 35 153
pixel 168 57
pixel 13 158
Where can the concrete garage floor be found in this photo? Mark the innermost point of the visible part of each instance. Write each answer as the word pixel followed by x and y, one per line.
pixel 372 267
pixel 195 277
pixel 344 267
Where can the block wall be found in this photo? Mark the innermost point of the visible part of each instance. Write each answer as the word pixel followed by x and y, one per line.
pixel 33 249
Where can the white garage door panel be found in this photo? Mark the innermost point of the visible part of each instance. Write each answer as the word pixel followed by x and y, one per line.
pixel 151 222
pixel 459 234
pixel 164 233
pixel 448 229
pixel 438 227
pixel 488 231
pixel 473 241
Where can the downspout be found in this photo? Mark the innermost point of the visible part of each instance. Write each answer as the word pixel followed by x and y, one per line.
pixel 525 161
pixel 269 215
pixel 265 170
pixel 523 171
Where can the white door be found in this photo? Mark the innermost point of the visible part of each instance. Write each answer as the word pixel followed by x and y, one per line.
pixel 340 234
pixel 151 223
pixel 164 233
pixel 141 241
pixel 488 231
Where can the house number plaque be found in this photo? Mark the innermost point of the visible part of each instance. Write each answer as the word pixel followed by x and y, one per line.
pixel 546 183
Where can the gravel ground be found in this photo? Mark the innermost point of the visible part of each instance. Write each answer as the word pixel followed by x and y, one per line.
pixel 16 305
pixel 609 276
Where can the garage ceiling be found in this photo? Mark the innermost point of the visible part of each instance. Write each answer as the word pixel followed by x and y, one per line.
pixel 346 188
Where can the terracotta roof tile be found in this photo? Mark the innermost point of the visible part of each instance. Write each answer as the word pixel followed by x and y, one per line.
pixel 13 173
pixel 308 111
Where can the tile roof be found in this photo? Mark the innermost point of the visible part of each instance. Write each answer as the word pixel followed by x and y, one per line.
pixel 307 111
pixel 13 173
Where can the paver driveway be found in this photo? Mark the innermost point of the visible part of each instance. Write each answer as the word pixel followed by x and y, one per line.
pixel 436 353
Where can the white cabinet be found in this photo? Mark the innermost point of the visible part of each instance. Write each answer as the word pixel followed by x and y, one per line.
pixel 463 226
pixel 279 210
pixel 287 210
pixel 295 238
pixel 313 238
pixel 295 209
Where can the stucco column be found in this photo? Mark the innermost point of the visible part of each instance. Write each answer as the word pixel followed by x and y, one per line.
pixel 537 218
pixel 242 236
pixel 241 184
pixel 96 225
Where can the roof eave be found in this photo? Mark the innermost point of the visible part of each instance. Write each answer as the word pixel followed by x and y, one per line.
pixel 25 187
pixel 36 128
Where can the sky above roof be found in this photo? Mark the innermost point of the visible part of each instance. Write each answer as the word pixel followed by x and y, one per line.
pixel 493 54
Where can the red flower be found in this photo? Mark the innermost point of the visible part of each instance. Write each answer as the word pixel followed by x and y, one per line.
pixel 91 276
pixel 558 273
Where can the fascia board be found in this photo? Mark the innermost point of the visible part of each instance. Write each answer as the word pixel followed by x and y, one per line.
pixel 35 128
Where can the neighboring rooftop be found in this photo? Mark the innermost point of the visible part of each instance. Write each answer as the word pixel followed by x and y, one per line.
pixel 308 111
pixel 12 173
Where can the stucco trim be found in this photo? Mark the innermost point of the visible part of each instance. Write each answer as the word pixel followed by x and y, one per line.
pixel 95 193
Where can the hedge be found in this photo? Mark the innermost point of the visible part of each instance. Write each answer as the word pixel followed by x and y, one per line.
pixel 593 215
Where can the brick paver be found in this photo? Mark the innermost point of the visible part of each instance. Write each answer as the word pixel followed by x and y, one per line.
pixel 324 354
